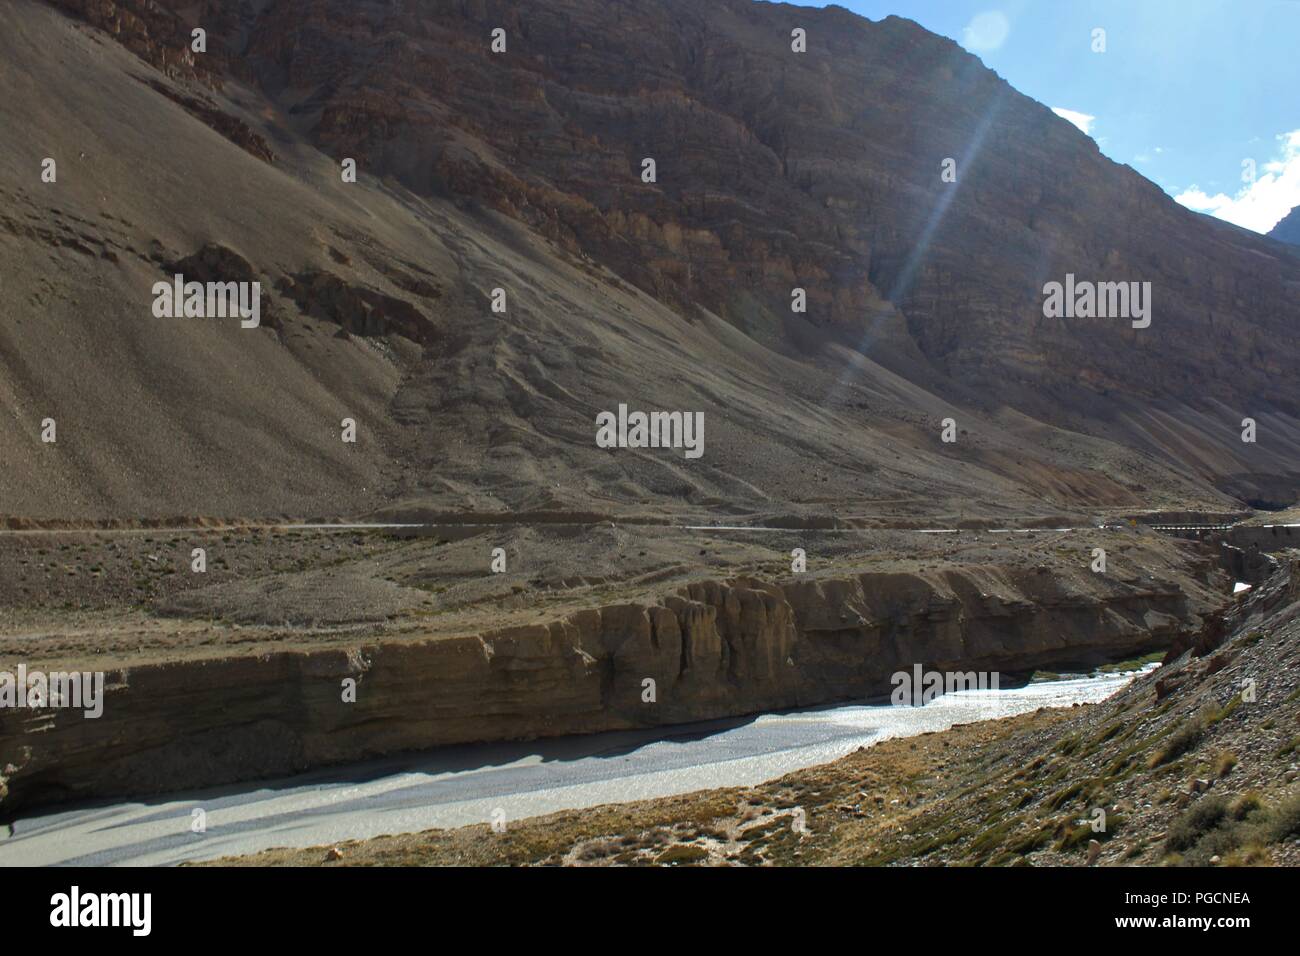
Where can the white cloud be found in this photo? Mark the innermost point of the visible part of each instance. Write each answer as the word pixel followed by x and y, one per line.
pixel 1081 120
pixel 1258 205
pixel 986 32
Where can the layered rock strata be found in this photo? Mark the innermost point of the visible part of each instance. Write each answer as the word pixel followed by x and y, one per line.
pixel 712 648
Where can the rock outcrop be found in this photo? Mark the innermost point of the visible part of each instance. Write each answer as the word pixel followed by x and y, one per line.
pixel 234 129
pixel 357 310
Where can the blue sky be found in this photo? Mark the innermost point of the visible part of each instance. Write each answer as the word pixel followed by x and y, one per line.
pixel 1186 91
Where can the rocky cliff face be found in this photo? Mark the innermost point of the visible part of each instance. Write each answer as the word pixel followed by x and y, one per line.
pixel 713 649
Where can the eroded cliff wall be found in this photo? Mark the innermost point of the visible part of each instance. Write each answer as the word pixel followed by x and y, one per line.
pixel 713 648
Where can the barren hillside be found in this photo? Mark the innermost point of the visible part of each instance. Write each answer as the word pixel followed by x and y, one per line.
pixel 521 171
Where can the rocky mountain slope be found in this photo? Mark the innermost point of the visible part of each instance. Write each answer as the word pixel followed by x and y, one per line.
pixel 1288 230
pixel 522 171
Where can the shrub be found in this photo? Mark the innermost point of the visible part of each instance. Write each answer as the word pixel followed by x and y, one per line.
pixel 1284 820
pixel 682 853
pixel 1061 798
pixel 1198 820
pixel 1212 715
pixel 1245 804
pixel 1253 855
pixel 1182 740
pixel 1235 831
pixel 1224 763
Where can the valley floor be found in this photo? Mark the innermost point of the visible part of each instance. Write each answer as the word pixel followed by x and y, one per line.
pixel 1195 763
pixel 454 787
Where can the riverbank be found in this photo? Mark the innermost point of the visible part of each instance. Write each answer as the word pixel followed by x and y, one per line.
pixel 302 650
pixel 1196 763
pixel 459 786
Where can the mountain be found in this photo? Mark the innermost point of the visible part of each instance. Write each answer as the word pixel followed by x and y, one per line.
pixel 1288 230
pixel 522 171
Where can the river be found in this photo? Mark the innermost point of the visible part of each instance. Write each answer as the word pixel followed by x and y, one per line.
pixel 455 786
